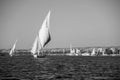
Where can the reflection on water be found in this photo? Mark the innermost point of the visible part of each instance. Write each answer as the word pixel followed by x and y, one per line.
pixel 60 68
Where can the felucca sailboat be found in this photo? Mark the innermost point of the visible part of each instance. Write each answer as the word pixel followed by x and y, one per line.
pixel 42 38
pixel 13 49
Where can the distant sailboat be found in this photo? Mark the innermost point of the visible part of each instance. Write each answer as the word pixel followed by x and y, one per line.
pixel 72 51
pixel 42 38
pixel 93 52
pixel 13 49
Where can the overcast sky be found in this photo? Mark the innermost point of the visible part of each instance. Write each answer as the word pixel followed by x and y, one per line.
pixel 81 23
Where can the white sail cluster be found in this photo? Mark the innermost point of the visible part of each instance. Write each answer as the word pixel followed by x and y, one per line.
pixel 13 49
pixel 42 38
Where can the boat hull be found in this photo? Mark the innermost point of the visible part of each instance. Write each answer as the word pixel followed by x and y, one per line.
pixel 39 56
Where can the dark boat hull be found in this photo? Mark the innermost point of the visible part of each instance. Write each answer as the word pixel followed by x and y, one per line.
pixel 41 56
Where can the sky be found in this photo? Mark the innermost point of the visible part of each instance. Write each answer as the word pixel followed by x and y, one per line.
pixel 81 23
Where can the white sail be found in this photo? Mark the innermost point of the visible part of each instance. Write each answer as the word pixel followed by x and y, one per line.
pixel 39 46
pixel 13 49
pixel 77 51
pixel 33 51
pixel 36 47
pixel 93 52
pixel 71 49
pixel 42 38
pixel 44 34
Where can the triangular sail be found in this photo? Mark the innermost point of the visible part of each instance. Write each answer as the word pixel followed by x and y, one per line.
pixel 44 33
pixel 34 48
pixel 13 49
pixel 39 47
pixel 43 36
pixel 93 52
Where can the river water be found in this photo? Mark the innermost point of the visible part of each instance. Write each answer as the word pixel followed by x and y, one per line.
pixel 25 67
